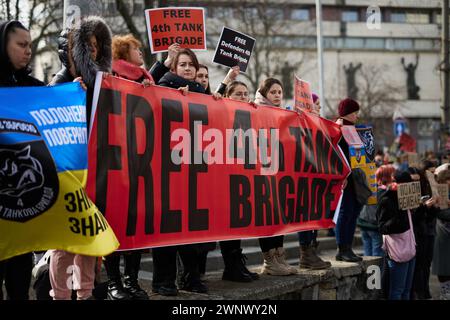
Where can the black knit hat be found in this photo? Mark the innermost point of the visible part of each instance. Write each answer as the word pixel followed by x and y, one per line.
pixel 347 106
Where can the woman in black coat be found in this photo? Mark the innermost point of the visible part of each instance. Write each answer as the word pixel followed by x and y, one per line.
pixel 15 56
pixel 181 76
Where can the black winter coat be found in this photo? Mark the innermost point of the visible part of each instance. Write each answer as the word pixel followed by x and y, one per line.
pixel 9 77
pixel 172 80
pixel 391 219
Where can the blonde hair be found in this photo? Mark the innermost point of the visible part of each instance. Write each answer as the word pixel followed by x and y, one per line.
pixel 121 46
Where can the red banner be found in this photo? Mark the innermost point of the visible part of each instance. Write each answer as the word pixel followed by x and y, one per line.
pixel 232 182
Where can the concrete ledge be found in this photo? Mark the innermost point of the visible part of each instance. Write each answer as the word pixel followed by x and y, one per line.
pixel 343 281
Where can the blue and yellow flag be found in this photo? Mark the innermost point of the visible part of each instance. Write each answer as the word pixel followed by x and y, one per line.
pixel 43 172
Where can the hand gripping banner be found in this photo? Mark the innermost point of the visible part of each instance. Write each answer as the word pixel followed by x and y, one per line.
pixel 169 169
pixel 43 169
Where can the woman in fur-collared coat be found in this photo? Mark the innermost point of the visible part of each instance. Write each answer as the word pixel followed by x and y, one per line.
pixel 83 51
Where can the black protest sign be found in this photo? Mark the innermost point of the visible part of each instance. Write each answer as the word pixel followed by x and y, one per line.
pixel 234 49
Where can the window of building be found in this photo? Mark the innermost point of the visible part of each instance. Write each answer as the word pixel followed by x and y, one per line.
pixel 417 18
pixel 397 17
pixel 403 44
pixel 275 13
pixel 350 16
pixel 300 14
pixel 353 43
pixel 423 44
pixel 374 43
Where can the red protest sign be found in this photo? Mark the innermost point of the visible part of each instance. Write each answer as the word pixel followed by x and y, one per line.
pixel 303 95
pixel 183 25
pixel 165 169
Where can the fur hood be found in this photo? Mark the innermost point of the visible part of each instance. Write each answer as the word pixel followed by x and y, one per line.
pixel 81 53
pixel 261 100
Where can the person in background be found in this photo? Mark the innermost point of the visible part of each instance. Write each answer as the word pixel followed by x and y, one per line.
pixel 367 221
pixel 350 207
pixel 425 232
pixel 270 93
pixel 15 57
pixel 441 257
pixel 230 77
pixel 397 229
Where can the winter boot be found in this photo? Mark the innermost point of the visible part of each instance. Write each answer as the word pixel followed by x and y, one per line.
pixel 310 260
pixel 280 255
pixel 271 265
pixel 346 254
pixel 243 259
pixel 234 267
pixel 130 282
pixel 115 288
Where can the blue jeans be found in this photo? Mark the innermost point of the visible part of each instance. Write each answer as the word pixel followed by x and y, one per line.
pixel 305 238
pixel 372 242
pixel 400 279
pixel 348 214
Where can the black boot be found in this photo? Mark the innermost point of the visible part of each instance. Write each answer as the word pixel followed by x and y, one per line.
pixel 234 267
pixel 130 282
pixel 345 253
pixel 191 282
pixel 243 258
pixel 115 288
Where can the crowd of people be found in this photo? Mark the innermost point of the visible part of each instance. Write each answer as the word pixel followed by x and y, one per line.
pixel 90 47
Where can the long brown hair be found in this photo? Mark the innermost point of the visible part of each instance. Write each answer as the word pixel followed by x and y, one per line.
pixel 265 86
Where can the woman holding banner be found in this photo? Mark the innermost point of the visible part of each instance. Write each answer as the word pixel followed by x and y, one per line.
pixel 83 50
pixel 181 76
pixel 127 62
pixel 270 93
pixel 15 56
pixel 308 239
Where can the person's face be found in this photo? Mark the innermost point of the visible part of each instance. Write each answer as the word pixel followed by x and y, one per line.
pixel 352 117
pixel 185 67
pixel 93 46
pixel 316 107
pixel 275 94
pixel 432 169
pixel 240 93
pixel 202 77
pixel 18 48
pixel 135 55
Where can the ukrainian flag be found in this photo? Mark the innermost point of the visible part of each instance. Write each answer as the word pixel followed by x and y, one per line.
pixel 43 172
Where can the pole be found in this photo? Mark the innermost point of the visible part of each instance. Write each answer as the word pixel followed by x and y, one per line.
pixel 320 54
pixel 445 109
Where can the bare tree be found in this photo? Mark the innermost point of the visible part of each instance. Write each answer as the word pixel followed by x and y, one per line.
pixel 265 21
pixel 379 96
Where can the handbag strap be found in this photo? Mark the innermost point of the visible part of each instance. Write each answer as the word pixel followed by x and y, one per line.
pixel 411 228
